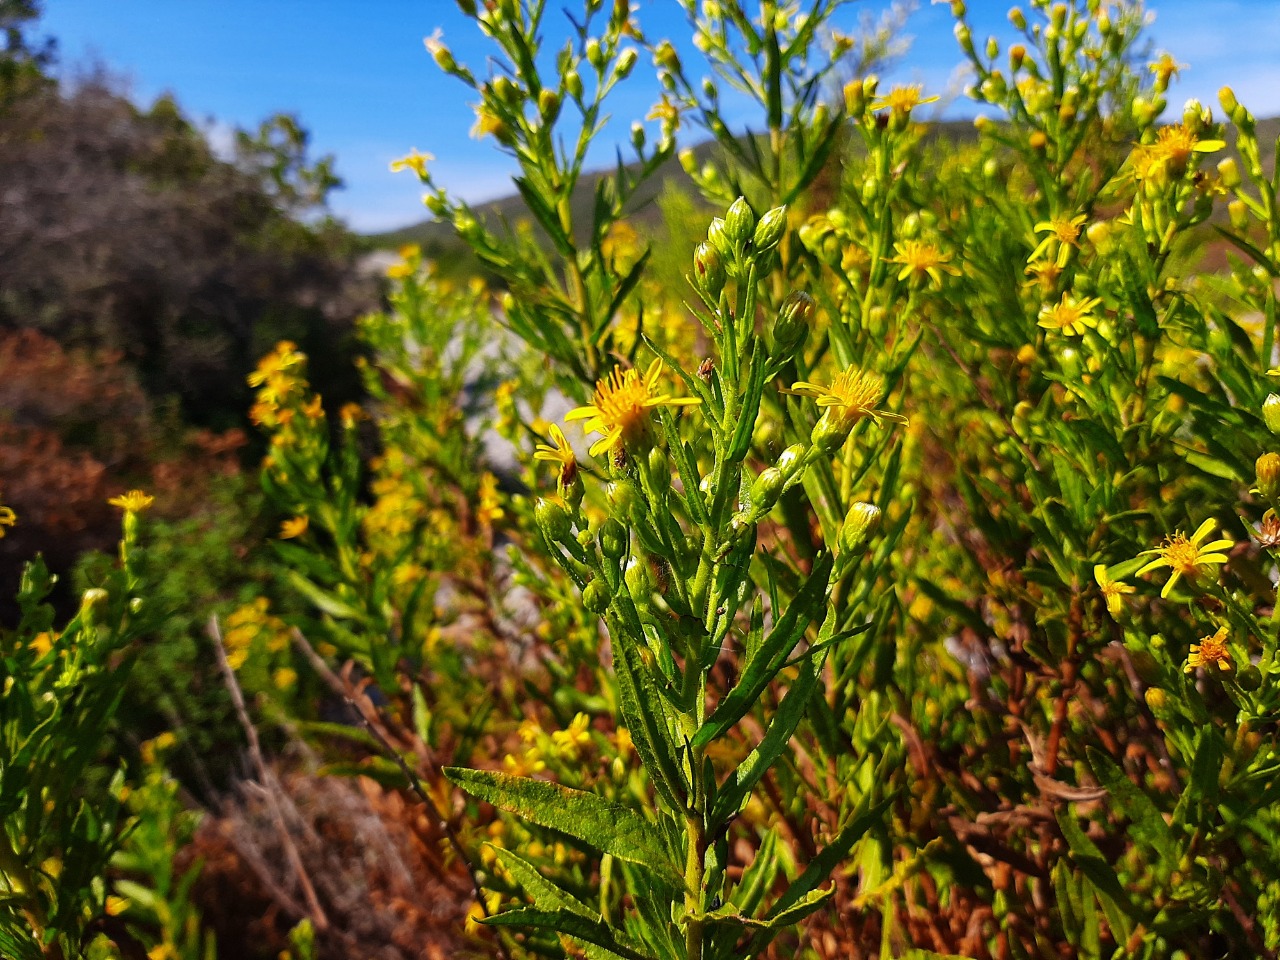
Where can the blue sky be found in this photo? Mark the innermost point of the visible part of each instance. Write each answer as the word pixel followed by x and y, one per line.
pixel 356 73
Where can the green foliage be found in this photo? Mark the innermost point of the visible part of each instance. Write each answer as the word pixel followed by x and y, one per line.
pixel 60 800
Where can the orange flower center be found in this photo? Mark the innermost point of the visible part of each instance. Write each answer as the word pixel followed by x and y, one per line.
pixel 1182 554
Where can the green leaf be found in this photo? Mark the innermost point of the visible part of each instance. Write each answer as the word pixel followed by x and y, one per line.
pixel 1146 824
pixel 609 827
pixel 806 905
pixel 774 651
pixel 379 769
pixel 1100 874
pixel 322 599
pixel 640 701
pixel 569 923
pixel 545 894
pixel 821 867
pixel 790 712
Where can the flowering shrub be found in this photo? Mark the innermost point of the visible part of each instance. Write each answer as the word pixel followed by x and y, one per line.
pixel 901 585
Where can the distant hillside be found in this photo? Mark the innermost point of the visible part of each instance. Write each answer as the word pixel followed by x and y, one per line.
pixel 439 242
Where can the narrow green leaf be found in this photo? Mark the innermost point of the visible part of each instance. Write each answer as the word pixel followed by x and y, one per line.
pixel 609 827
pixel 774 650
pixel 1146 824
pixel 545 894
pixel 570 924
pixel 790 712
pixel 1094 866
pixel 322 599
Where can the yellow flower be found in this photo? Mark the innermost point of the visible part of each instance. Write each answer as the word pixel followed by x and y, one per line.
pixel 279 361
pixel 903 99
pixel 558 452
pixel 1175 145
pixel 623 400
pixel 1112 590
pixel 1186 556
pixel 1063 233
pixel 920 259
pixel 1069 316
pixel 852 396
pixel 284 678
pixel 7 518
pixel 42 642
pixel 399 271
pixel 568 742
pixel 135 501
pixel 415 161
pixel 1210 651
pixel 116 906
pixel 490 506
pixel 1166 67
pixel 293 527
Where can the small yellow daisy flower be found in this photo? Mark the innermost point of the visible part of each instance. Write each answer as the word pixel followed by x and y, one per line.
pixel 7 518
pixel 623 400
pixel 293 527
pixel 920 260
pixel 559 452
pixel 1210 651
pixel 1063 233
pixel 135 501
pixel 1186 556
pixel 903 99
pixel 1112 590
pixel 1069 316
pixel 852 396
pixel 1166 67
pixel 415 161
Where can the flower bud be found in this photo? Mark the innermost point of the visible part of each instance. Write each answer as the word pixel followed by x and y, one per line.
pixel 1017 54
pixel 1227 97
pixel 1157 700
pixel 766 490
pixel 637 135
pixel 91 604
pixel 626 63
pixel 859 525
pixel 1018 18
pixel 548 105
pixel 993 48
pixel 790 460
pixel 665 57
pixel 855 100
pixel 595 53
pixel 596 597
pixel 718 237
pixel 1239 214
pixel 573 84
pixel 1229 172
pixel 769 230
pixel 659 471
pixel 708 271
pixel 553 520
pixel 621 495
pixel 1268 475
pixel 638 580
pixel 613 539
pixel 792 325
pixel 740 222
pixel 1271 413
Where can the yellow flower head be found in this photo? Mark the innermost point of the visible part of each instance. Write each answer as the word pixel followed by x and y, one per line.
pixel 279 362
pixel 490 508
pixel 135 501
pixel 559 452
pixel 1069 316
pixel 620 412
pixel 7 518
pixel 1186 556
pixel 852 396
pixel 415 161
pixel 903 99
pixel 293 527
pixel 1063 233
pixel 1210 651
pixel 1166 67
pixel 920 260
pixel 1112 590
